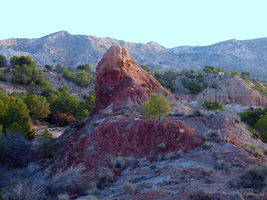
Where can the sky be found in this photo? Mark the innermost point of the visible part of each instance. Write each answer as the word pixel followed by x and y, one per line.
pixel 170 23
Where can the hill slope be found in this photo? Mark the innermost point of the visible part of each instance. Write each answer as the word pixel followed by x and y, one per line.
pixel 72 50
pixel 124 155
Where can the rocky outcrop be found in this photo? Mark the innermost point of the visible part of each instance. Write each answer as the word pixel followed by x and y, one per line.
pixel 121 83
pixel 171 158
pixel 231 90
pixel 72 50
pixel 115 136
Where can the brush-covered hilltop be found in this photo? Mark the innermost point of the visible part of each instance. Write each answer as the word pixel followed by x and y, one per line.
pixel 73 50
pixel 138 142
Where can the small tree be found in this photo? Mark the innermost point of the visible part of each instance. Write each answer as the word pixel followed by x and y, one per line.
pixel 38 106
pixel 3 61
pixel 205 85
pixel 49 67
pixel 194 87
pixel 200 77
pixel 157 76
pixel 214 85
pixel 261 126
pixel 156 107
pixel 216 105
pixel 59 68
pixel 46 142
pixel 147 69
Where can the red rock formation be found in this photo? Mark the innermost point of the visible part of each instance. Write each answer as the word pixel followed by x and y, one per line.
pixel 128 138
pixel 120 82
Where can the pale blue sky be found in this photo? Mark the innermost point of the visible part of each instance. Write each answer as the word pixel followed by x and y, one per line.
pixel 168 22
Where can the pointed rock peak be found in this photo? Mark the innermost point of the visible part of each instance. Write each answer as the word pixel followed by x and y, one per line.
pixel 114 57
pixel 122 83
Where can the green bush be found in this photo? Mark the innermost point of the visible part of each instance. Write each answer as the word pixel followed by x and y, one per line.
pixel 46 142
pixel 193 87
pixel 156 107
pixel 3 76
pixel 205 85
pixel 157 76
pixel 85 67
pixel 254 177
pixel 251 117
pixel 200 77
pixel 24 71
pixel 216 105
pixel 49 67
pixel 38 106
pixel 3 61
pixel 214 85
pixel 147 69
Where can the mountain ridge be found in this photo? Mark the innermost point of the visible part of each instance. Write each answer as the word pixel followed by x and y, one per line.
pixel 73 50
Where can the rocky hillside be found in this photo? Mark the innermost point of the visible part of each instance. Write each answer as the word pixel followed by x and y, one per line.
pixel 179 157
pixel 229 90
pixel 72 50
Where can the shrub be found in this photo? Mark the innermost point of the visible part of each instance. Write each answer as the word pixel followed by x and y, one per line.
pixel 26 189
pixel 162 146
pixel 119 162
pixel 156 107
pixel 205 85
pixel 64 119
pixel 129 188
pixel 104 180
pixel 214 85
pixel 85 67
pixel 3 77
pixel 63 197
pixel 220 165
pixel 251 116
pixel 203 195
pixel 3 61
pixel 46 142
pixel 193 87
pixel 254 177
pixel 49 67
pixel 253 150
pixel 200 77
pixel 64 181
pixel 15 149
pixel 147 69
pixel 216 105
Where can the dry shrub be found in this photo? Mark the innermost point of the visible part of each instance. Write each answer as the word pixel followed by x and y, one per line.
pixel 257 152
pixel 64 119
pixel 129 188
pixel 119 162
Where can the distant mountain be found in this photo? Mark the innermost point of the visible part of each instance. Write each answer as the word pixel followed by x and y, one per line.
pixel 72 50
